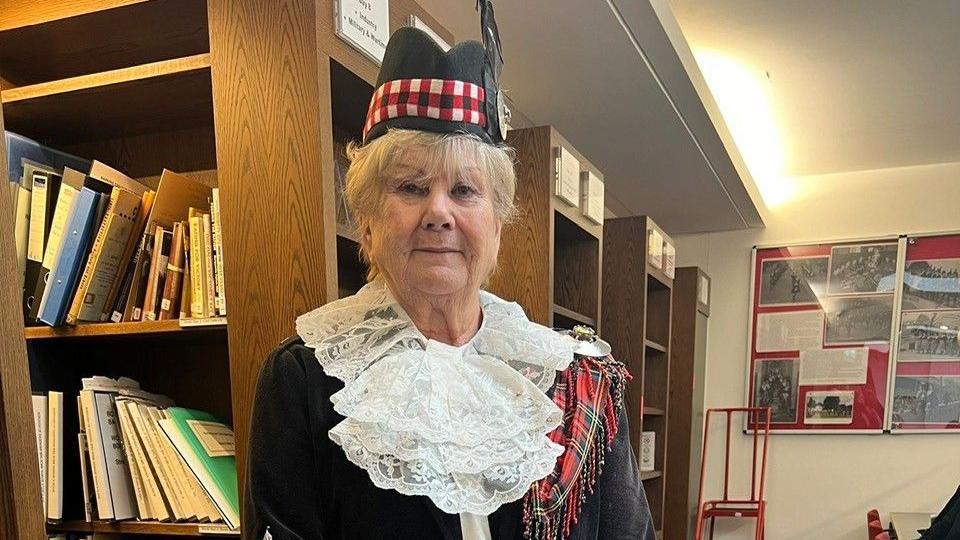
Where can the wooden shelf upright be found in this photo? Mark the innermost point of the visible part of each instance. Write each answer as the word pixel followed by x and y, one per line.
pixel 688 352
pixel 550 258
pixel 636 322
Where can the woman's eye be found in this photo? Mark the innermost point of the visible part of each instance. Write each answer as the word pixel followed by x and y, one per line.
pixel 463 190
pixel 410 188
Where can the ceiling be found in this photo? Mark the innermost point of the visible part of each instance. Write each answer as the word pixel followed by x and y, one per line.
pixel 614 78
pixel 855 85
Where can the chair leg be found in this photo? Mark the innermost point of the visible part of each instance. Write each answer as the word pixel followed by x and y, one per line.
pixel 712 524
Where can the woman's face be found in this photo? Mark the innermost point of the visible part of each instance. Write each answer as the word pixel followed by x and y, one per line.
pixel 437 233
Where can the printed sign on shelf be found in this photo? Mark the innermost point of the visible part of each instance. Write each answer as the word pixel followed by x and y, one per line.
pixel 365 25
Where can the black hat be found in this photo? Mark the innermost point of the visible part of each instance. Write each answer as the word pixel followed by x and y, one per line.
pixel 422 87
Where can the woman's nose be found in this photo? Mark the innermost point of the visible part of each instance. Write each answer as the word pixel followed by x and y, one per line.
pixel 437 214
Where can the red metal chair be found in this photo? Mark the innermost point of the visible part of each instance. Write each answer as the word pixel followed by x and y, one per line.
pixel 874 528
pixel 882 536
pixel 752 507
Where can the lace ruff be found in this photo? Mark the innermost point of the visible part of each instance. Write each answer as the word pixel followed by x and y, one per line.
pixel 466 426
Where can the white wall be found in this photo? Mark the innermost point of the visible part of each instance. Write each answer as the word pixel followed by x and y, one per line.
pixel 820 486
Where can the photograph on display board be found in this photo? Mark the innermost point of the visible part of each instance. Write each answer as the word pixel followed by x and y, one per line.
pixel 926 400
pixel 830 407
pixel 932 284
pixel 775 386
pixel 929 335
pixel 863 269
pixel 860 319
pixel 793 281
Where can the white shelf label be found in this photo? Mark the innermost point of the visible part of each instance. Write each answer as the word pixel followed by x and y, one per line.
pixel 365 25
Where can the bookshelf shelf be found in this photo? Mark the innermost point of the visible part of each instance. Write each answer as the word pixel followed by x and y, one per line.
pixel 116 329
pixel 574 316
pixel 106 78
pixel 650 344
pixel 653 411
pixel 170 95
pixel 650 475
pixel 58 40
pixel 144 527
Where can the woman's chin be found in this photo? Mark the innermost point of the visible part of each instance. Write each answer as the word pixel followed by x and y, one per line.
pixel 438 280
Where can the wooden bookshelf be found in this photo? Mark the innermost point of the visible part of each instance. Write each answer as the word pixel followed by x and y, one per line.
pixel 636 322
pixel 144 528
pixel 688 351
pixel 650 475
pixel 206 88
pixel 550 259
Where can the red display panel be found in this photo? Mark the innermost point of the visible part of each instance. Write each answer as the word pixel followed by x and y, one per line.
pixel 821 324
pixel 926 388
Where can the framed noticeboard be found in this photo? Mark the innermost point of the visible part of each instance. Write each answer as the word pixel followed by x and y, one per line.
pixel 925 389
pixel 821 327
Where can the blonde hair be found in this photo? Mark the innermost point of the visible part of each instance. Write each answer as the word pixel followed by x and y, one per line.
pixel 368 163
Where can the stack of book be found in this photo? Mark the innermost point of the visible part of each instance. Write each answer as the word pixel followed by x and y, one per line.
pixel 96 245
pixel 139 457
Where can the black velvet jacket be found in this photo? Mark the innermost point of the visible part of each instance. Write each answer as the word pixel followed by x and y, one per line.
pixel 300 485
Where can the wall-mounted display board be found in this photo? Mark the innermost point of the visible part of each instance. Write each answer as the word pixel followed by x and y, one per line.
pixel 925 391
pixel 821 325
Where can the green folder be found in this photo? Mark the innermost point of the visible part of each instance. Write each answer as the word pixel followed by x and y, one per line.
pixel 217 474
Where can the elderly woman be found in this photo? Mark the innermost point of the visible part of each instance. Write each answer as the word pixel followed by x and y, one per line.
pixel 423 406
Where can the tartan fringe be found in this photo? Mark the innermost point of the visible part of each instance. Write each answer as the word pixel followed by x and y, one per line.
pixel 556 523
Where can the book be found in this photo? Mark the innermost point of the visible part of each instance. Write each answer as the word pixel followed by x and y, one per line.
pixel 19 147
pixel 669 259
pixel 63 278
pixel 104 262
pixel 21 228
pixel 55 452
pixel 135 444
pixel 205 508
pixel 207 447
pixel 45 184
pixel 170 300
pixel 210 286
pixel 187 286
pixel 221 296
pixel 86 472
pixel 104 172
pixel 40 412
pixel 157 273
pixel 198 280
pixel 70 185
pixel 655 248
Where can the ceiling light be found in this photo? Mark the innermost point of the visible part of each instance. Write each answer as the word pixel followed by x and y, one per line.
pixel 742 94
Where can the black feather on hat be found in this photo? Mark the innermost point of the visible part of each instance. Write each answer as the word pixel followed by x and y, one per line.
pixel 422 87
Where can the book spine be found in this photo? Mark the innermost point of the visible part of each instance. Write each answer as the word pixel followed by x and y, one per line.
pixel 186 287
pixel 218 254
pixel 211 309
pixel 150 296
pixel 177 492
pixel 21 228
pixel 108 263
pixel 171 284
pixel 136 475
pixel 55 457
pixel 197 280
pixel 98 466
pixel 41 412
pixel 141 277
pixel 118 470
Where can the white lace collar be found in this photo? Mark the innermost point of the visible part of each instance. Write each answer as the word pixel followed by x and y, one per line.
pixel 466 426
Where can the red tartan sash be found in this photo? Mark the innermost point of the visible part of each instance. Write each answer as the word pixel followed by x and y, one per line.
pixel 590 392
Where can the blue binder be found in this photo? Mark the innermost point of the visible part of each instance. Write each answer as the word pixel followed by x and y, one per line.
pixel 76 240
pixel 19 147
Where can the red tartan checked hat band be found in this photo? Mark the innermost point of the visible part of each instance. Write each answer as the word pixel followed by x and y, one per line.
pixel 440 99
